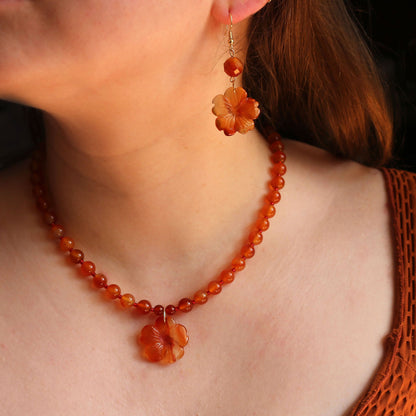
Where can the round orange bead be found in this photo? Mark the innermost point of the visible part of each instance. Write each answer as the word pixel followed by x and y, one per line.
pixel 279 168
pixel 201 297
pixel 88 267
pixel 277 146
pixel 277 183
pixel 278 157
pixel 262 223
pixel 127 300
pixel 76 256
pixel 57 230
pixel 38 190
pixel 255 237
pixel 185 305
pixel 238 263
pixel 66 244
pixel 36 178
pixel 233 67
pixel 274 196
pixel 227 276
pixel 113 291
pixel 144 306
pixel 268 210
pixel 170 309
pixel 42 204
pixel 248 251
pixel 273 137
pixel 158 310
pixel 214 288
pixel 99 280
pixel 49 218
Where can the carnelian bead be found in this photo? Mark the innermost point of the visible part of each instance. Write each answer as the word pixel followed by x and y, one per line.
pixel 170 309
pixel 268 210
pixel 279 168
pixel 38 191
pixel 66 244
pixel 185 305
pixel 233 67
pixel 158 310
pixel 36 178
pixel 113 291
pixel 201 297
pixel 49 218
pixel 57 230
pixel 277 146
pixel 214 288
pixel 227 276
pixel 255 237
pixel 248 251
pixel 278 157
pixel 127 300
pixel 99 280
pixel 144 306
pixel 41 203
pixel 88 267
pixel 76 256
pixel 277 183
pixel 273 137
pixel 274 196
pixel 263 223
pixel 238 263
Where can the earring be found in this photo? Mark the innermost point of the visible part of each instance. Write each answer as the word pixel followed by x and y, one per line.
pixel 234 110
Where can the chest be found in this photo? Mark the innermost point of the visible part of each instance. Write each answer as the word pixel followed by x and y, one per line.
pixel 276 351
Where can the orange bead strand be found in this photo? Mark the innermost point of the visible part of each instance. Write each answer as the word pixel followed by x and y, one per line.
pixel 233 67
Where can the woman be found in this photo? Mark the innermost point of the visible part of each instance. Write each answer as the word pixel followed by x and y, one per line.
pixel 161 202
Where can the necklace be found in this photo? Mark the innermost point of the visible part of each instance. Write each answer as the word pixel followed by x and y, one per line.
pixel 164 341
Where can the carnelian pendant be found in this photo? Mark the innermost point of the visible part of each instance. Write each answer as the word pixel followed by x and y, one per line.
pixel 163 342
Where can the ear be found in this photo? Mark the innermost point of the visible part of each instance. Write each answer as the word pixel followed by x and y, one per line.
pixel 240 9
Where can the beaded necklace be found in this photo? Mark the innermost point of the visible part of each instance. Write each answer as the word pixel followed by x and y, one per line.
pixel 164 341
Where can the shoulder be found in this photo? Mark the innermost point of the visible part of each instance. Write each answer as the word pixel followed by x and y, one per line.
pixel 340 185
pixel 343 208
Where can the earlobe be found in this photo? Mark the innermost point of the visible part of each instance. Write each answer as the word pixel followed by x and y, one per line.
pixel 240 9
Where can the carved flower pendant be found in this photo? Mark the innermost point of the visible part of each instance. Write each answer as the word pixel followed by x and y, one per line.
pixel 235 111
pixel 163 342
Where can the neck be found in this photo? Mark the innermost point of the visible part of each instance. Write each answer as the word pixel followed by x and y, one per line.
pixel 141 178
pixel 177 201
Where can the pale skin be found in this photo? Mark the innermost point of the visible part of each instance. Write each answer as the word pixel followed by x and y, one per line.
pixel 161 201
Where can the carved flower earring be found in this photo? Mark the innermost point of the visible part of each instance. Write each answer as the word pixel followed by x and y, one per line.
pixel 234 110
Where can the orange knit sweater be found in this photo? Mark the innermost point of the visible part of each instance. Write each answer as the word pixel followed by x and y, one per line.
pixel 393 389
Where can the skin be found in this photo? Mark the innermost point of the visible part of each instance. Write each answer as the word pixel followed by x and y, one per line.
pixel 127 101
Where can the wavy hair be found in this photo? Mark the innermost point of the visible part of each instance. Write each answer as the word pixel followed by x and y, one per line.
pixel 314 76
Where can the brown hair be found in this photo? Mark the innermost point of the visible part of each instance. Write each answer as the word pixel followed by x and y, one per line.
pixel 316 81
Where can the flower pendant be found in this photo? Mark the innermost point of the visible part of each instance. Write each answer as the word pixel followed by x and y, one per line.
pixel 163 342
pixel 235 111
